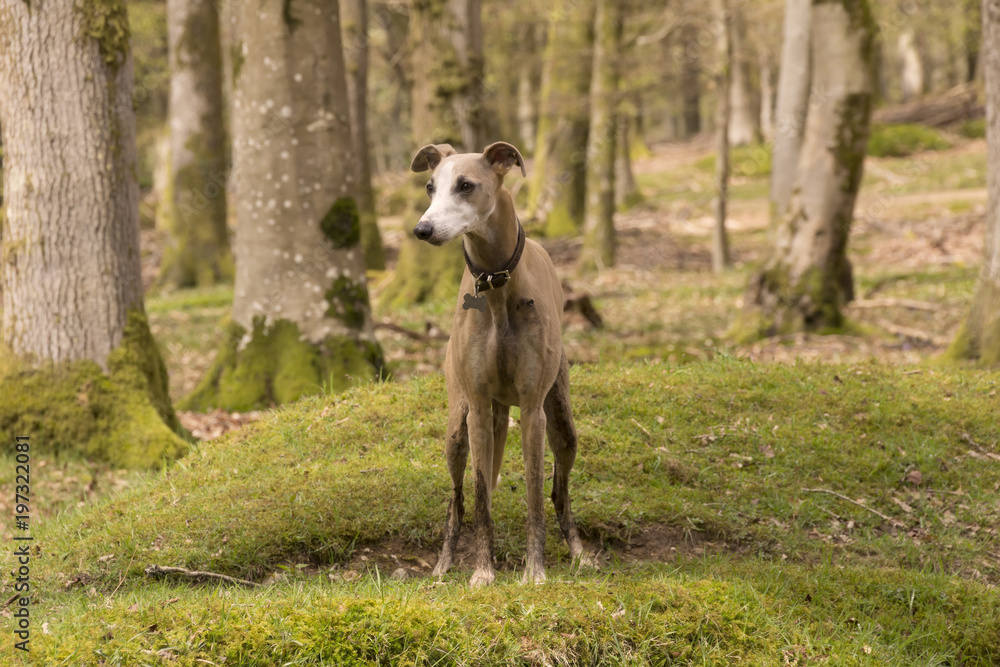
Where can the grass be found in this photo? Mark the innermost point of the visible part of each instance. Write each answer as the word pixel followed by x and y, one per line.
pixel 716 454
pixel 903 140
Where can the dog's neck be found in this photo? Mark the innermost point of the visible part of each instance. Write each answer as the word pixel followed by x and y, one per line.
pixel 492 248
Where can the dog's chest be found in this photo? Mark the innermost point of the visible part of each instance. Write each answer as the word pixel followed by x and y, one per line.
pixel 504 357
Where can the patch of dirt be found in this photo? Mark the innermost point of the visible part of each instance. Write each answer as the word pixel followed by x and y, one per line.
pixel 652 543
pixel 215 424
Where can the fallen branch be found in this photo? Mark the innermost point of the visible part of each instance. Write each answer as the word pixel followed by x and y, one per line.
pixel 855 502
pixel 913 334
pixel 162 571
pixel 413 335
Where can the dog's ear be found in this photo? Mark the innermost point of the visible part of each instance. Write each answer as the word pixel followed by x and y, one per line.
pixel 430 156
pixel 502 156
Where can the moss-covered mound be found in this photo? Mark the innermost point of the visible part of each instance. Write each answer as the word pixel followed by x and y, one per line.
pixel 720 450
pixel 273 365
pixel 123 417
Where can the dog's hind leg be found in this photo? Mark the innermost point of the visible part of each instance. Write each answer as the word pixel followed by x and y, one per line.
pixel 501 417
pixel 457 452
pixel 562 440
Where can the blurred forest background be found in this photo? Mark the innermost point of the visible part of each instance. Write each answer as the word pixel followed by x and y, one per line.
pixel 268 174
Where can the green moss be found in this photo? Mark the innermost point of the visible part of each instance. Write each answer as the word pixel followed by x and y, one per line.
pixel 973 129
pixel 751 161
pixel 237 58
pixel 123 417
pixel 341 224
pixel 106 22
pixel 273 365
pixel 560 222
pixel 286 15
pixel 424 273
pixel 904 140
pixel 348 302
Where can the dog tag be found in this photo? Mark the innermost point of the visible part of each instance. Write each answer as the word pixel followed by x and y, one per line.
pixel 477 302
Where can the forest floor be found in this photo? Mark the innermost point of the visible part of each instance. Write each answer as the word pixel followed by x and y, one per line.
pixel 836 507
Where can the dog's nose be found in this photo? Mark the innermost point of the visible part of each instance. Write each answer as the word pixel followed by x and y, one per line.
pixel 423 230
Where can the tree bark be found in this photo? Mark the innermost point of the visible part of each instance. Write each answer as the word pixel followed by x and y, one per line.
pixel 598 250
pixel 448 83
pixel 911 67
pixel 807 278
pixel 979 336
pixel 527 91
pixel 355 36
pixel 723 127
pixel 301 319
pixel 743 117
pixel 447 96
pixel 558 184
pixel 193 211
pixel 792 104
pixel 627 192
pixel 690 78
pixel 78 365
pixel 766 97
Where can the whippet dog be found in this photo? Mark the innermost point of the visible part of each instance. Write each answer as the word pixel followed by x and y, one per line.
pixel 505 349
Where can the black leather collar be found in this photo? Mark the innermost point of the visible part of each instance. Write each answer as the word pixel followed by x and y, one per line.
pixel 497 279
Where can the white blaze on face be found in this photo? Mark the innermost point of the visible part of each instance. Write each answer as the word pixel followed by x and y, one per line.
pixel 451 214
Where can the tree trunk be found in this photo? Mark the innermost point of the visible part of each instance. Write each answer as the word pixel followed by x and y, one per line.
pixel 301 319
pixel 447 94
pixel 355 35
pixel 558 184
pixel 743 115
pixel 78 365
pixel 448 83
pixel 792 104
pixel 911 67
pixel 627 192
pixel 598 250
pixel 193 210
pixel 766 97
pixel 972 37
pixel 690 78
pixel 527 92
pixel 979 336
pixel 807 278
pixel 723 127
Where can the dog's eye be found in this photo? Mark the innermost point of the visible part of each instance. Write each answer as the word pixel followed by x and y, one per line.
pixel 466 186
pixel 430 189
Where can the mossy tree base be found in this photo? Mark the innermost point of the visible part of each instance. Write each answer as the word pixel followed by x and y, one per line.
pixel 123 417
pixel 424 273
pixel 275 365
pixel 778 304
pixel 979 337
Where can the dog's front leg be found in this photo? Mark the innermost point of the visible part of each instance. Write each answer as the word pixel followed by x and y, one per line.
pixel 457 452
pixel 533 448
pixel 480 422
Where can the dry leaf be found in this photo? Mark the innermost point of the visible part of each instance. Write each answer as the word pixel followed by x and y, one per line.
pixel 914 477
pixel 906 508
pixel 767 451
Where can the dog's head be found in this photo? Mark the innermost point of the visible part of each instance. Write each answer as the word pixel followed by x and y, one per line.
pixel 463 188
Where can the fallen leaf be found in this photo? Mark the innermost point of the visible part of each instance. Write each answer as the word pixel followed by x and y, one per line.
pixel 914 477
pixel 103 559
pixel 948 518
pixel 766 450
pixel 906 508
pixel 134 608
